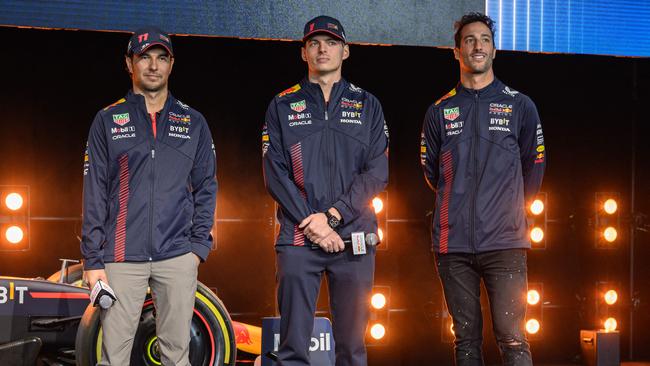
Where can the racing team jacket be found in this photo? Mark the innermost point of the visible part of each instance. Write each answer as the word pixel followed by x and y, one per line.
pixel 149 184
pixel 483 154
pixel 318 155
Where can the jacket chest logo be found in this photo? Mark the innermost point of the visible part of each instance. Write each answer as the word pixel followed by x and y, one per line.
pixel 500 109
pixel 179 118
pixel 299 119
pixel 351 104
pixel 298 106
pixel 126 132
pixel 121 119
pixel 352 117
pixel 499 124
pixel 451 113
pixel 179 132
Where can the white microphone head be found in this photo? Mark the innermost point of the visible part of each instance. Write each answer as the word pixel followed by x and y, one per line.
pixel 372 239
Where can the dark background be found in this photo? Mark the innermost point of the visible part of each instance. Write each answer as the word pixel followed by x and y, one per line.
pixel 593 110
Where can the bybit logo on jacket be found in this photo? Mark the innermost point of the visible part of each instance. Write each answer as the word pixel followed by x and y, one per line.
pixel 499 124
pixel 351 117
pixel 181 132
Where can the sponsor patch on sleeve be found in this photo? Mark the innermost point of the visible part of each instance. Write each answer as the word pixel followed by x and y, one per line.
pixel 86 160
pixel 451 93
pixel 291 90
pixel 265 139
pixel 122 100
pixel 423 149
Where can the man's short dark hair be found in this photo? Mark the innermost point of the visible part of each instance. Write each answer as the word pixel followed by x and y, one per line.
pixel 472 18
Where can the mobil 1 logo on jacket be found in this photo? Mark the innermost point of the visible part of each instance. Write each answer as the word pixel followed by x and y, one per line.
pixel 297 116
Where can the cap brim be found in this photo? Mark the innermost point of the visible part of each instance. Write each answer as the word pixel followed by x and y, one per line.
pixel 316 31
pixel 156 44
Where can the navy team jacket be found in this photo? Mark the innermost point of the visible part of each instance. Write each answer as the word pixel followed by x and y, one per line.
pixel 318 155
pixel 483 154
pixel 149 194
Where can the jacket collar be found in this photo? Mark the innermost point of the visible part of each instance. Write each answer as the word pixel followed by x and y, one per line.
pixel 138 99
pixel 315 91
pixel 490 89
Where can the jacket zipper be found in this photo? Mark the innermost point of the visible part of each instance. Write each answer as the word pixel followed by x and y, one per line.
pixel 472 214
pixel 330 160
pixel 329 148
pixel 153 180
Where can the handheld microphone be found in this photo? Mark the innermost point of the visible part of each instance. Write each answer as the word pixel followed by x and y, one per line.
pixel 371 239
pixel 102 295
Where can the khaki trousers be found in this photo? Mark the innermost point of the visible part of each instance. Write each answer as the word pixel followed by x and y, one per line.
pixel 173 286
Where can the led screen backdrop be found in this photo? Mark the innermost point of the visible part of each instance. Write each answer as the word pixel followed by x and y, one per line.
pixel 604 27
pixel 422 22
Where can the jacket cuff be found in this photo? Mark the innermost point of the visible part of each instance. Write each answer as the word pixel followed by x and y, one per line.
pixel 201 250
pixel 344 210
pixel 93 263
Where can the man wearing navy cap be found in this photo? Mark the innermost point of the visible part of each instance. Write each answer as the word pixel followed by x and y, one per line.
pixel 325 156
pixel 148 205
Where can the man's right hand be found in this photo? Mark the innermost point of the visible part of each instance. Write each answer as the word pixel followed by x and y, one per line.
pixel 332 243
pixel 91 277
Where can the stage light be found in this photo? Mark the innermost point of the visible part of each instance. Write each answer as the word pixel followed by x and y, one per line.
pixel 532 326
pixel 533 297
pixel 379 316
pixel 611 297
pixel 380 207
pixel 537 219
pixel 451 329
pixel 537 235
pixel 14 234
pixel 15 218
pixel 607 219
pixel 377 331
pixel 610 324
pixel 610 206
pixel 14 201
pixel 377 204
pixel 607 305
pixel 610 234
pixel 535 310
pixel 378 301
pixel 537 207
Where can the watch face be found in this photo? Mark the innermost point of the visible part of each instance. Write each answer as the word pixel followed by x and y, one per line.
pixel 333 221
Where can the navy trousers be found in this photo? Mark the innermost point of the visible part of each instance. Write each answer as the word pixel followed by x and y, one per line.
pixel 504 273
pixel 349 278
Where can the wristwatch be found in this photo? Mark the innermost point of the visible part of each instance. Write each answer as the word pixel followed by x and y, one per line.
pixel 332 221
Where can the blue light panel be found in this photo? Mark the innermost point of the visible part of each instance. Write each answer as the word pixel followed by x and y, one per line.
pixel 604 27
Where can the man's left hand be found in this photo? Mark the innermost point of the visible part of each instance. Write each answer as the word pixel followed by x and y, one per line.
pixel 315 227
